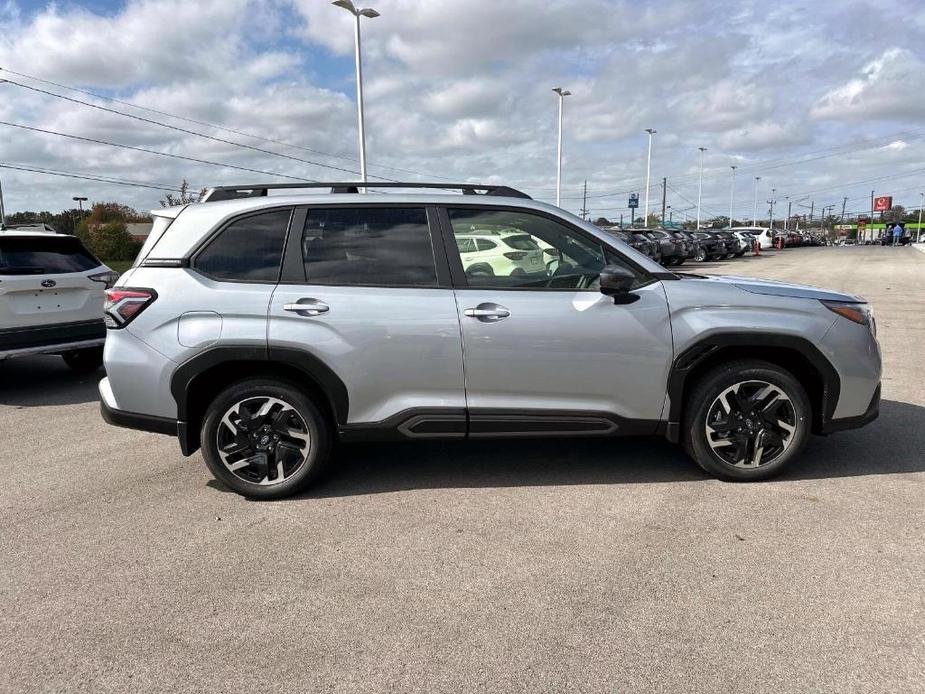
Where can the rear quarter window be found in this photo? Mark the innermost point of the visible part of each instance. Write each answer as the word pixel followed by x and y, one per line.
pixel 41 255
pixel 249 249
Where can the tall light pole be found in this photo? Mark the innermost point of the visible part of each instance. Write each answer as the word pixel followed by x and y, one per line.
pixel 918 237
pixel 732 193
pixel 80 203
pixel 2 212
pixel 700 185
pixel 755 214
pixel 645 218
pixel 787 221
pixel 372 14
pixel 562 94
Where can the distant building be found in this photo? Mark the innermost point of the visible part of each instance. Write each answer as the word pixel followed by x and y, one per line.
pixel 139 230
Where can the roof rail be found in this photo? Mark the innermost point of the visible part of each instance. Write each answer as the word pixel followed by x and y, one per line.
pixel 262 189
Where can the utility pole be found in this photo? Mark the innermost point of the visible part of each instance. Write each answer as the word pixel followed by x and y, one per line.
pixel 621 220
pixel 700 185
pixel 918 236
pixel 812 207
pixel 664 195
pixel 732 195
pixel 843 203
pixel 584 202
pixel 787 221
pixel 3 213
pixel 645 215
pixel 562 94
pixel 755 213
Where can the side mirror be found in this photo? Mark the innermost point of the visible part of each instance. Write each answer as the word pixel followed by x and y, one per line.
pixel 616 282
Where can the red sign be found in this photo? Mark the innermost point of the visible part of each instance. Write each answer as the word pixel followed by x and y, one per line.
pixel 883 203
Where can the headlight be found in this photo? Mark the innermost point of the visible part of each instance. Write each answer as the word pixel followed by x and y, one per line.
pixel 856 313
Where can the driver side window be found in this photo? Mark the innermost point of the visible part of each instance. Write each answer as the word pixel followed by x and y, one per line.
pixel 520 250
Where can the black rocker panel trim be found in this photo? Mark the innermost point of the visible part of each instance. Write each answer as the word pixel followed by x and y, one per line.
pixel 690 358
pixel 490 422
pixel 417 423
pixel 449 423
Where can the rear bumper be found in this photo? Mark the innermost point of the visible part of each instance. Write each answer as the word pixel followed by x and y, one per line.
pixel 140 422
pixel 51 339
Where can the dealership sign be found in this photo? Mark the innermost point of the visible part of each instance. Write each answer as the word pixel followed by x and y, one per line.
pixel 883 203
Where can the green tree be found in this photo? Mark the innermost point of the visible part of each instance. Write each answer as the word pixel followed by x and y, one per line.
pixel 109 240
pixel 185 197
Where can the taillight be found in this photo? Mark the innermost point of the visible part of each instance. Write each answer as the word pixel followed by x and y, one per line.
pixel 122 305
pixel 515 255
pixel 108 278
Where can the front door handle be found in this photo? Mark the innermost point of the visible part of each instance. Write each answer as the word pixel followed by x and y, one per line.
pixel 488 312
pixel 307 307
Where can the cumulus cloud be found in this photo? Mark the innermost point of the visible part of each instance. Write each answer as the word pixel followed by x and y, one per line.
pixel 462 90
pixel 887 87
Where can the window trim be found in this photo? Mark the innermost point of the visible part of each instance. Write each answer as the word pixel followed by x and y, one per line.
pixel 193 258
pixel 461 282
pixel 294 266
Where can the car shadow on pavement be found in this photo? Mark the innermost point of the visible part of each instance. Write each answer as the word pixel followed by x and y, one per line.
pixel 892 444
pixel 45 380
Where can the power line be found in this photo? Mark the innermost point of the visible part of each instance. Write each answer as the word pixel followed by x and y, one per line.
pixel 152 151
pixel 187 131
pixel 88 177
pixel 210 125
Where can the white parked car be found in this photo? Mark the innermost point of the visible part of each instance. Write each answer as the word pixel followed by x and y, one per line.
pixel 764 235
pixel 500 254
pixel 51 297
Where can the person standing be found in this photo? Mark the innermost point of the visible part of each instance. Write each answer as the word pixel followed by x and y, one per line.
pixel 897 232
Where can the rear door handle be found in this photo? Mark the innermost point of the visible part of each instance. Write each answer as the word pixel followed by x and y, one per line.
pixel 307 307
pixel 488 312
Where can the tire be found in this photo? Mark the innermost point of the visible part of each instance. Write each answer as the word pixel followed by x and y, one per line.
pixel 292 437
pixel 680 261
pixel 84 361
pixel 700 255
pixel 742 383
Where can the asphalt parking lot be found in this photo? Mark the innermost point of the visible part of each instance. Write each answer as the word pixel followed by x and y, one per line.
pixel 528 566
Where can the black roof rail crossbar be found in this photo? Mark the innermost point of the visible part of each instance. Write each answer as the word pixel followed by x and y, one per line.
pixel 262 189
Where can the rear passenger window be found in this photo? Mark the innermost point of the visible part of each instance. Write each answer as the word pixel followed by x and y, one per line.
pixel 249 249
pixel 373 246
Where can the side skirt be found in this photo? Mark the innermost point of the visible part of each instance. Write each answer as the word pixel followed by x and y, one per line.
pixel 450 423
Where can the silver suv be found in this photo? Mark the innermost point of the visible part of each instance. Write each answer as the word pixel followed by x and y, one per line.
pixel 264 326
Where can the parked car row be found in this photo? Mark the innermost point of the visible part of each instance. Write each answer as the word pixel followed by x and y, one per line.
pixel 672 247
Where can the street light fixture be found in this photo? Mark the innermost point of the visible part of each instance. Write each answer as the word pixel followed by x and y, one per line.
pixel 732 193
pixel 755 214
pixel 562 94
pixel 645 218
pixel 700 185
pixel 80 203
pixel 371 14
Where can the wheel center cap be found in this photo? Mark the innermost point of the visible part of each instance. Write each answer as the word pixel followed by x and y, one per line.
pixel 264 440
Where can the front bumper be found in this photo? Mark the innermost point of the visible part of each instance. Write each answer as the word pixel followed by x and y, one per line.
pixel 873 411
pixel 51 339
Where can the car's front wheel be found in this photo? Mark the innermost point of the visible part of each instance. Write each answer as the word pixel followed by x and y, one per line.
pixel 746 420
pixel 84 360
pixel 265 439
pixel 700 255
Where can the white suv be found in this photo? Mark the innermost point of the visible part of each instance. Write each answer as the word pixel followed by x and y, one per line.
pixel 51 297
pixel 486 252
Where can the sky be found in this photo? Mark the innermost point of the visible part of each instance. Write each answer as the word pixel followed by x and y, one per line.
pixel 821 100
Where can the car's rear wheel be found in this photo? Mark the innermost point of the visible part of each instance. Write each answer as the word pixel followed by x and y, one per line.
pixel 746 420
pixel 700 255
pixel 265 439
pixel 84 360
